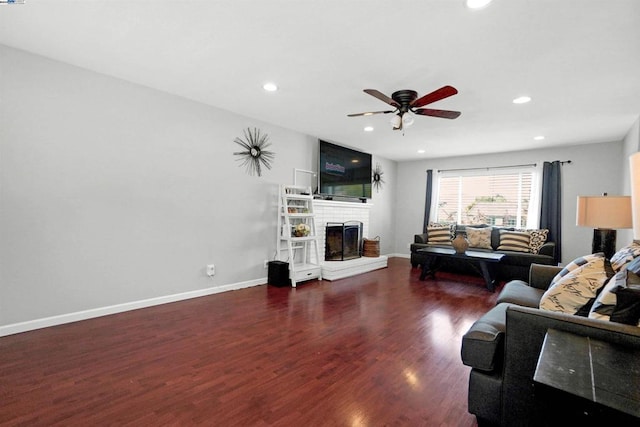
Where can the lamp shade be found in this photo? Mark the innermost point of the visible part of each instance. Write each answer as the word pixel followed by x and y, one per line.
pixel 605 212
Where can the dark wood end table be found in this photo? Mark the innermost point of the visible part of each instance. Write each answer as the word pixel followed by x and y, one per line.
pixel 585 378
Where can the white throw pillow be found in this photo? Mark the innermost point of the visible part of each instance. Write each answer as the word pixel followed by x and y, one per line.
pixel 576 288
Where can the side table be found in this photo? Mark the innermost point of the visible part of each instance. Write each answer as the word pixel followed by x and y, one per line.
pixel 581 378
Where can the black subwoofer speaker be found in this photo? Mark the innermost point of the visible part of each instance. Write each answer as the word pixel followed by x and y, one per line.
pixel 278 274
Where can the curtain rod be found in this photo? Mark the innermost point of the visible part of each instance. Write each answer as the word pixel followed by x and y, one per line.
pixel 532 165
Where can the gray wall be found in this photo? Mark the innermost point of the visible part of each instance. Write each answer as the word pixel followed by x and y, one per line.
pixel 595 168
pixel 631 144
pixel 112 192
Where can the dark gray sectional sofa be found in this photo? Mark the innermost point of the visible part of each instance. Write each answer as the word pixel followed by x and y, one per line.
pixel 515 265
pixel 503 347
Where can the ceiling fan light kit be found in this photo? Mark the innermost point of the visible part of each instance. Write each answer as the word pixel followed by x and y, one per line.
pixel 477 4
pixel 406 102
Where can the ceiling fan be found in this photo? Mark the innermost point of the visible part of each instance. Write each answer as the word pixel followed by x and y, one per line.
pixel 405 101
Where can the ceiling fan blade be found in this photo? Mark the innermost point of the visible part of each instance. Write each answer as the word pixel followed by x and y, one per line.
pixel 370 113
pixel 382 97
pixel 444 114
pixel 436 95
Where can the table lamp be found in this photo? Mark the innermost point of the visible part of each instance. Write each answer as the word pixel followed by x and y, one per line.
pixel 604 214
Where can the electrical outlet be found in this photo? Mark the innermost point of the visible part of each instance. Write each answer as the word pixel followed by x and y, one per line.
pixel 266 263
pixel 211 270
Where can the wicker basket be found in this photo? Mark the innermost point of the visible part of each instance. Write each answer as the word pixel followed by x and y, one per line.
pixel 371 247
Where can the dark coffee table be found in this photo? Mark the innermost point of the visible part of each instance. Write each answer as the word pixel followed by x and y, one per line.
pixel 483 262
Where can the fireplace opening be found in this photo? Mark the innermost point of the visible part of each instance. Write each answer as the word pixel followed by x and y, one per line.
pixel 343 241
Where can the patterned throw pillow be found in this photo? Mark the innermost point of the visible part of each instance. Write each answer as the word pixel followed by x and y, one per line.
pixel 576 263
pixel 439 235
pixel 538 238
pixel 479 237
pixel 576 289
pixel 627 309
pixel 625 256
pixel 606 301
pixel 514 241
pixel 451 225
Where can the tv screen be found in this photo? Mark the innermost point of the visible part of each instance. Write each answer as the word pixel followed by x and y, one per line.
pixel 344 172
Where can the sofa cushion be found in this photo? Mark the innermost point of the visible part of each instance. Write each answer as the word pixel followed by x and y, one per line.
pixel 479 237
pixel 624 256
pixel 576 289
pixel 514 241
pixel 520 293
pixel 483 344
pixel 523 259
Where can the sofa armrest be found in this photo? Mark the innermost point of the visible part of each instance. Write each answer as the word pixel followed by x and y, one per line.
pixel 540 275
pixel 549 249
pixel 420 238
pixel 483 344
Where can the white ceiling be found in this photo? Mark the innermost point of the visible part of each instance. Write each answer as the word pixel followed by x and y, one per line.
pixel 578 59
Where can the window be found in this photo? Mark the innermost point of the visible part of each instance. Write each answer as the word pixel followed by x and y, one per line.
pixel 503 198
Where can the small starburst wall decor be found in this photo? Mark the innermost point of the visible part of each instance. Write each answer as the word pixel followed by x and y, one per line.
pixel 377 177
pixel 255 154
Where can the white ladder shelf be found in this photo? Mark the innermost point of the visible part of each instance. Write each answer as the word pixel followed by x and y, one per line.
pixel 297 238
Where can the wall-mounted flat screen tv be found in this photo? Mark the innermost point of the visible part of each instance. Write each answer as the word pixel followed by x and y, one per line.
pixel 343 172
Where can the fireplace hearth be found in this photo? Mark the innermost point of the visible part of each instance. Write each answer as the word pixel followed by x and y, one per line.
pixel 343 240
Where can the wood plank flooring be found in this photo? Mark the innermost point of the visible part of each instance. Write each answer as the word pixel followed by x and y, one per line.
pixel 379 349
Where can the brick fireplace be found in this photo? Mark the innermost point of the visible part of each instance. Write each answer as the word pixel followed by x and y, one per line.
pixel 330 211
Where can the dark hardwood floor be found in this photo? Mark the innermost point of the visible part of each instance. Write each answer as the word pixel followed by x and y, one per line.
pixel 379 349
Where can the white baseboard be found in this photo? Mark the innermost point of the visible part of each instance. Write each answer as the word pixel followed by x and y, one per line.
pixel 45 322
pixel 399 256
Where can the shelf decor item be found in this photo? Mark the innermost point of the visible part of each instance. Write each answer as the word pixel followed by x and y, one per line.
pixel 460 243
pixel 377 177
pixel 255 155
pixel 301 230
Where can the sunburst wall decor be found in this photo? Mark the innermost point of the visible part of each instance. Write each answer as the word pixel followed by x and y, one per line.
pixel 377 177
pixel 255 156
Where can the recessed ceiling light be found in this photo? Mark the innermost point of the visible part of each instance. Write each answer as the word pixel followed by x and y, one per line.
pixel 476 4
pixel 368 129
pixel 539 137
pixel 522 100
pixel 421 151
pixel 270 87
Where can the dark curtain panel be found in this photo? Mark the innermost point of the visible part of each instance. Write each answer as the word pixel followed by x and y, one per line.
pixel 551 204
pixel 427 201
